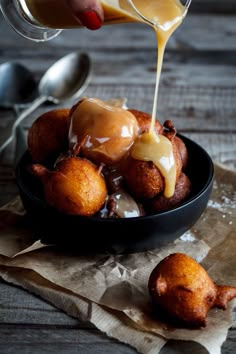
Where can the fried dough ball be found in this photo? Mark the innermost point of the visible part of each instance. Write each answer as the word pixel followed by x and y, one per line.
pixel 143 178
pixel 181 289
pixel 76 186
pixel 144 122
pixel 178 160
pixel 101 133
pixel 48 135
pixel 169 131
pixel 179 148
pixel 161 203
pixel 182 151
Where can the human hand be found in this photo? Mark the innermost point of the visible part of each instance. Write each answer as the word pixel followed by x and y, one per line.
pixel 88 12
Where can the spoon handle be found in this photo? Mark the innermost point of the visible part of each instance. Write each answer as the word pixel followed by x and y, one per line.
pixel 8 132
pixel 21 142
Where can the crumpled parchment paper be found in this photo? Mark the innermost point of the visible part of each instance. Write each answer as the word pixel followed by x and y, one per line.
pixel 111 291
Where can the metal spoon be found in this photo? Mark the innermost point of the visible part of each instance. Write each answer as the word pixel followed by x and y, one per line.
pixel 64 80
pixel 17 85
pixel 17 88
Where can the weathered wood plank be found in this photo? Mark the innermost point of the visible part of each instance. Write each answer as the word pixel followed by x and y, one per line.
pixel 213 6
pixel 38 327
pixel 33 339
pixel 29 340
pixel 198 31
pixel 192 107
pixel 189 68
pixel 221 147
pixel 18 306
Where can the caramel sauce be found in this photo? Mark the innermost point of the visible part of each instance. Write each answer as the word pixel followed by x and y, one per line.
pixel 158 149
pixel 164 17
pixel 105 130
pixel 124 205
pixel 167 15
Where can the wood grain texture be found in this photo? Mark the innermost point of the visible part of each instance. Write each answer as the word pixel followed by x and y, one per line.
pixel 27 322
pixel 198 90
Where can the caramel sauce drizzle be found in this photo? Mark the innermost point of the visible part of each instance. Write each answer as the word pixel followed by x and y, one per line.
pixel 165 16
pixel 150 146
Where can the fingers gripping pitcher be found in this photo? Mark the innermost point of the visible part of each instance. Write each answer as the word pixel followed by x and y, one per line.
pixel 42 20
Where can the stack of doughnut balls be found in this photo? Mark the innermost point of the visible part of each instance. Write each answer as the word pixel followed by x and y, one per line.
pixel 82 158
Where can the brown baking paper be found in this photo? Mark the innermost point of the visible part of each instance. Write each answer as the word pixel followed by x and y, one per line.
pixel 111 291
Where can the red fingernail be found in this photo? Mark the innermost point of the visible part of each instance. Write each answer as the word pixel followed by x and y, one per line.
pixel 90 19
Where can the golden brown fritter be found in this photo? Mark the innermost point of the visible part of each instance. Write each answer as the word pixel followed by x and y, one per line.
pixel 169 131
pixel 75 187
pixel 182 290
pixel 182 151
pixel 143 178
pixel 178 160
pixel 144 122
pixel 161 203
pixel 48 135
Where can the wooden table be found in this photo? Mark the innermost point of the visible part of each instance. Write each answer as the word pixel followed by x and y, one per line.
pixel 198 92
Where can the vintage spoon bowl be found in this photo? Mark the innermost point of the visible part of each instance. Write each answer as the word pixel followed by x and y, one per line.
pixel 17 85
pixel 17 88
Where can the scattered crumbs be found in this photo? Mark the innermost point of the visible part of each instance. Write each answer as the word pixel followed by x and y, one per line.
pixel 187 237
pixel 223 216
pixel 224 206
pixel 228 202
pixel 200 258
pixel 225 199
pixel 230 222
pixel 213 204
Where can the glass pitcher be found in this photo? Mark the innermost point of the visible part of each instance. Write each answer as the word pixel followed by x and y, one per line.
pixel 42 20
